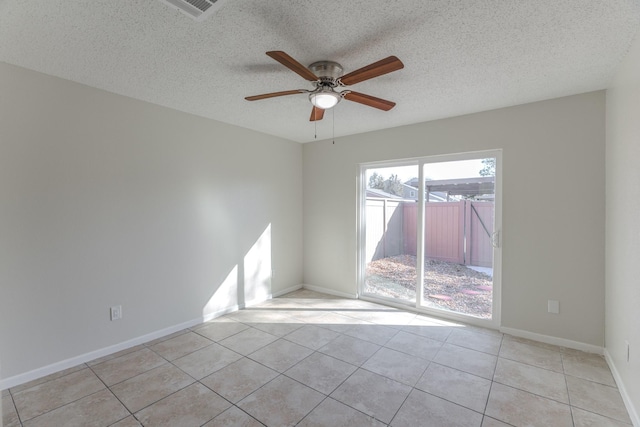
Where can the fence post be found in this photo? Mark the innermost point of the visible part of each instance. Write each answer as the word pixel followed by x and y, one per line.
pixel 384 228
pixel 466 233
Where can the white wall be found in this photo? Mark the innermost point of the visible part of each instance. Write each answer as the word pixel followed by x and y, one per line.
pixel 623 226
pixel 106 200
pixel 553 206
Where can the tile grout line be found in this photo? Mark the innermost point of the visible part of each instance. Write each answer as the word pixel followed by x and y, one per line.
pixel 327 396
pixel 486 404
pixel 13 402
pixel 196 381
pixel 566 384
pixel 409 394
pixel 23 388
pixel 58 407
pixel 114 395
pixel 314 351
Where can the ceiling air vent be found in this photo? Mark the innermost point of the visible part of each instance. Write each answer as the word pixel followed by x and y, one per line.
pixel 199 10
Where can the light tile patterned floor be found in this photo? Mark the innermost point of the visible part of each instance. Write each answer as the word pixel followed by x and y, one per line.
pixel 309 359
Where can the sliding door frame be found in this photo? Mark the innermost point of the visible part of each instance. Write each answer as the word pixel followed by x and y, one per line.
pixel 420 162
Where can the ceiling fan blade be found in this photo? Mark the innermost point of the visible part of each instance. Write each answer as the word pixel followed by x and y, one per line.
pixel 369 100
pixel 384 66
pixel 274 94
pixel 293 65
pixel 316 114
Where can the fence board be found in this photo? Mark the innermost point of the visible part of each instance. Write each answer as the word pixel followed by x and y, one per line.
pixel 374 229
pixel 391 229
pixel 443 231
pixel 409 228
pixel 393 235
pixel 479 239
pixel 384 233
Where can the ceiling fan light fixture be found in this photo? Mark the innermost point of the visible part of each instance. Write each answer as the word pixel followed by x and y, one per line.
pixel 326 77
pixel 325 98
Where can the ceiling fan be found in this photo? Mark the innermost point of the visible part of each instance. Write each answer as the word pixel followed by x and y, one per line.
pixel 327 76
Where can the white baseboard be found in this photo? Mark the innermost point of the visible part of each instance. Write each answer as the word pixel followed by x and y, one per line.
pixel 633 413
pixel 286 291
pixel 330 291
pixel 218 313
pixel 255 301
pixel 576 345
pixel 35 374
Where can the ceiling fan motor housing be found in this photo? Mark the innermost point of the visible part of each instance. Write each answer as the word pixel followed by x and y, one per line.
pixel 328 72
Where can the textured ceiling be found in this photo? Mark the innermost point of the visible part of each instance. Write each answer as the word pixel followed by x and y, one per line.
pixel 460 56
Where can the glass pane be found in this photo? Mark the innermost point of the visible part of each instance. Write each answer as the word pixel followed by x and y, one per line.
pixel 390 246
pixel 459 221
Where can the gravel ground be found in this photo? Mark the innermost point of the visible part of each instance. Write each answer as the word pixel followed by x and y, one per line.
pixel 447 286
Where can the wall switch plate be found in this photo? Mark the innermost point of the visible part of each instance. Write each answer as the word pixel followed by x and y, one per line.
pixel 116 312
pixel 553 306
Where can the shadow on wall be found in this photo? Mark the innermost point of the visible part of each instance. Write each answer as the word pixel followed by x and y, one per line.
pixel 384 225
pixel 247 283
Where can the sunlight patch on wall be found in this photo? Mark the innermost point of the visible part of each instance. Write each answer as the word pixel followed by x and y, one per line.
pixel 257 269
pixel 225 297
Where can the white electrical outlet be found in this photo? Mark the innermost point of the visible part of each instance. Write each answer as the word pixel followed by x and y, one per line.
pixel 553 306
pixel 116 312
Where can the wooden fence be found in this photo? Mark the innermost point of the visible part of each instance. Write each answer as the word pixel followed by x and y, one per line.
pixel 458 232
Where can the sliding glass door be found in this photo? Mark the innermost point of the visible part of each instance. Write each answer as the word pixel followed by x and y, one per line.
pixel 390 269
pixel 428 234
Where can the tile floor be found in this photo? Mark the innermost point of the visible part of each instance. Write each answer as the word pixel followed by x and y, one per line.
pixel 309 359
